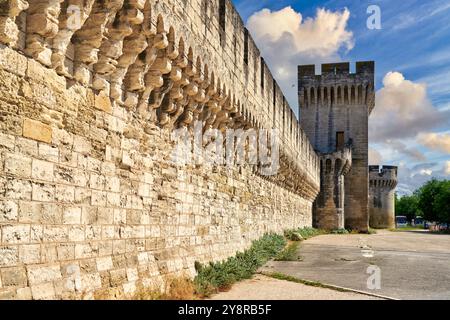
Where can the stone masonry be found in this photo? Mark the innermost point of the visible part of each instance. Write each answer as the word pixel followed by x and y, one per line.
pixel 328 210
pixel 382 183
pixel 334 112
pixel 90 202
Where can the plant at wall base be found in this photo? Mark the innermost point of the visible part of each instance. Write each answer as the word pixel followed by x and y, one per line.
pixel 340 231
pixel 218 276
pixel 289 253
pixel 308 232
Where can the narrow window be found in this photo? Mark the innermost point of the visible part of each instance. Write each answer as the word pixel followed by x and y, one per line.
pixel 274 93
pixel 262 72
pixel 245 46
pixel 340 140
pixel 222 20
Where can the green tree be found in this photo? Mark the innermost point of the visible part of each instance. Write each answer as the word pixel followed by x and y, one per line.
pixel 434 200
pixel 407 206
pixel 442 202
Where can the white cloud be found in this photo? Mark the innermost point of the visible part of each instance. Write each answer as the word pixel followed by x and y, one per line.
pixel 447 168
pixel 403 109
pixel 404 119
pixel 412 178
pixel 287 40
pixel 375 157
pixel 438 142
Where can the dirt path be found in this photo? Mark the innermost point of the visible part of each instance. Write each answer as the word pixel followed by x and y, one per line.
pixel 265 288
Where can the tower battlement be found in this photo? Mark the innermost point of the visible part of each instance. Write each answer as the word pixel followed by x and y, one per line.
pixel 383 176
pixel 337 85
pixel 337 69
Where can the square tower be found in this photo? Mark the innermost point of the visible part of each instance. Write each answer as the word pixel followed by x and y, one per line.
pixel 334 110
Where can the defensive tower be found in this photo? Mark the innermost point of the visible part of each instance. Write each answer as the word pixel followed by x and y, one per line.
pixel 382 183
pixel 334 109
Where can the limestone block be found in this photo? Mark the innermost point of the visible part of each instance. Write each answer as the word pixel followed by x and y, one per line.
pixel 30 212
pixel 55 234
pixel 64 194
pixel 96 181
pixel 18 189
pixel 90 282
pixel 103 102
pixel 43 291
pixel 65 251
pixel 8 211
pixel 18 165
pixel 104 264
pixel 9 256
pixel 51 213
pixel 88 215
pixel 82 196
pixel 42 170
pixel 15 234
pixel 30 253
pixel 48 152
pixel 77 233
pixel 81 145
pixel 49 253
pixel 105 216
pixel 37 234
pixel 15 276
pixel 61 137
pixel 72 215
pixel 43 192
pixel 120 216
pixel 24 294
pixel 110 232
pixel 93 232
pixel 27 147
pixel 112 184
pixel 37 131
pixel 38 274
pixel 12 60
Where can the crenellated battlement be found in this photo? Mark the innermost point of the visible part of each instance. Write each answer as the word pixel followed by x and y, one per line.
pixel 337 85
pixel 337 69
pixel 383 176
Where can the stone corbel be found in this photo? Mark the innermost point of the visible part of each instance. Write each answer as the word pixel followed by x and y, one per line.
pixel 89 38
pixel 9 10
pixel 111 48
pixel 42 25
pixel 72 18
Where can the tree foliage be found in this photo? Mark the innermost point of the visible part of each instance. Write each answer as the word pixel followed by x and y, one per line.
pixel 431 201
pixel 407 206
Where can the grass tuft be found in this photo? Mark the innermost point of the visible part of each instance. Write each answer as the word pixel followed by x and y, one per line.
pixel 289 253
pixel 221 275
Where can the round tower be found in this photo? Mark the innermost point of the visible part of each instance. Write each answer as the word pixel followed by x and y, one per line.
pixel 382 183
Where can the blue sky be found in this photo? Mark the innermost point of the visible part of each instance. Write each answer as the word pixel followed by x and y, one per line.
pixel 413 42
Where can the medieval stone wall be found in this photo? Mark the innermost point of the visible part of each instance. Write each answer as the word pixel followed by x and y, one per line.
pixel 90 200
